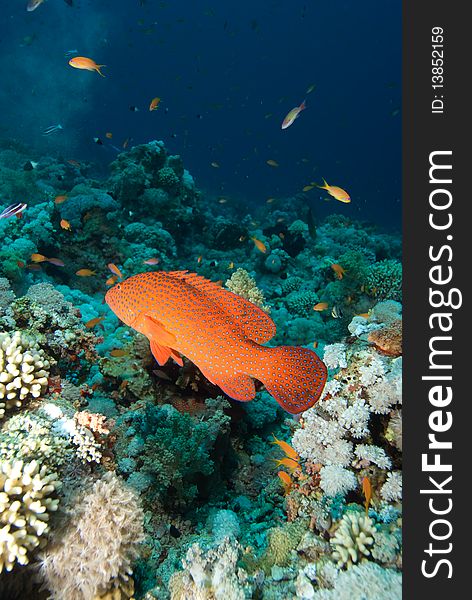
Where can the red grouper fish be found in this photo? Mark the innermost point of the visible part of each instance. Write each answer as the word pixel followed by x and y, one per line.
pixel 183 313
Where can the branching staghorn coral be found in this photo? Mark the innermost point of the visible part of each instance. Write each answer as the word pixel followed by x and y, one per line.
pixel 25 504
pixel 24 370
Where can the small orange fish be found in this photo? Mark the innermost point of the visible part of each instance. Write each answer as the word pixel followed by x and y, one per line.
pixel 338 271
pixel 56 261
pixel 38 258
pixel 315 344
pixel 321 306
pixel 364 315
pixel 109 135
pixel 74 163
pixel 60 199
pixel 65 224
pixel 336 192
pixel 215 165
pixel 367 489
pixel 270 200
pixel 259 245
pixel 286 448
pixel 20 264
pixel 307 188
pixel 154 103
pixel 85 273
pixel 183 313
pixel 151 261
pixel 272 163
pixel 111 280
pixel 287 462
pixel 81 62
pixel 199 259
pixel 118 352
pixel 286 480
pixel 292 115
pixel 91 324
pixel 231 265
pixel 115 270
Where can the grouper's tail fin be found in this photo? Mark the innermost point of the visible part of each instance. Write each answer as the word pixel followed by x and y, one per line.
pixel 294 376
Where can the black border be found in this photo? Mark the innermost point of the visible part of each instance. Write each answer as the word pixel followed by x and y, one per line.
pixel 423 133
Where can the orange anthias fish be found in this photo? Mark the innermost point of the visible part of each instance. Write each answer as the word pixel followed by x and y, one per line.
pixel 259 245
pixel 81 62
pixel 335 191
pixel 154 103
pixel 287 462
pixel 60 199
pixel 287 449
pixel 338 271
pixel 286 480
pixel 292 115
pixel 367 489
pixel 115 270
pixel 85 272
pixel 321 306
pixel 93 322
pixel 65 224
pixel 182 313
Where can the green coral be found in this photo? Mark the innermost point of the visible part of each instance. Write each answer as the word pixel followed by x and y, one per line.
pixel 384 280
pixel 168 180
pixel 176 450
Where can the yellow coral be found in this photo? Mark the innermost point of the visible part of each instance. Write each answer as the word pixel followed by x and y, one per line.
pixel 24 510
pixel 23 371
pixel 244 285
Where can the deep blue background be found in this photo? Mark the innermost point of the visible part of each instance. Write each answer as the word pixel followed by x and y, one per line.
pixel 232 63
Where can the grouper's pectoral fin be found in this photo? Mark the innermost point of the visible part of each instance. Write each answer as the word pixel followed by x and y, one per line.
pixel 238 386
pixel 161 341
pixel 160 353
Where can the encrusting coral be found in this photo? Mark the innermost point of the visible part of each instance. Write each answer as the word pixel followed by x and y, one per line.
pixel 25 504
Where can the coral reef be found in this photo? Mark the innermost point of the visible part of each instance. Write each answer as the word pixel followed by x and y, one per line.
pixel 25 504
pixel 164 488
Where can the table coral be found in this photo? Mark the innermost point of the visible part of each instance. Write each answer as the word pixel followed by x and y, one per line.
pixel 23 370
pixel 25 504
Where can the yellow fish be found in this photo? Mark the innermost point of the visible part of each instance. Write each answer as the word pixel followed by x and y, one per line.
pixel 335 191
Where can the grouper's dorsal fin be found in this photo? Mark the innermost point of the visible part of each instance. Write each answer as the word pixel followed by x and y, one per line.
pixel 255 323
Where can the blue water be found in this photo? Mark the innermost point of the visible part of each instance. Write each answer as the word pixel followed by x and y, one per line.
pixel 227 74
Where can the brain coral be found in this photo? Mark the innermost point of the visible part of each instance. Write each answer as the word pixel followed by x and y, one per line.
pixel 24 509
pixel 98 544
pixel 23 370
